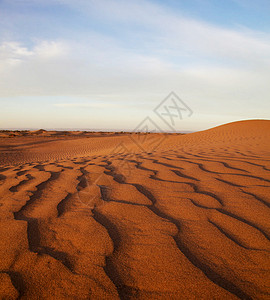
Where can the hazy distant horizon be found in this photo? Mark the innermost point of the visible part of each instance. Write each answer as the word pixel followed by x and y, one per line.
pixel 81 129
pixel 114 129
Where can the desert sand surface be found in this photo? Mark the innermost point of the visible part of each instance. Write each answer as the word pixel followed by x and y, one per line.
pixel 136 216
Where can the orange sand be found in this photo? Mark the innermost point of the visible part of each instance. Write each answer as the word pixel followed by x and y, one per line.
pixel 93 216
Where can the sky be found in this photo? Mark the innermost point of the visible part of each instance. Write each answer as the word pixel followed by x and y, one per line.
pixel 111 64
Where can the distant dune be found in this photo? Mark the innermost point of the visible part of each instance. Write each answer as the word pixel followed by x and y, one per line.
pixel 136 216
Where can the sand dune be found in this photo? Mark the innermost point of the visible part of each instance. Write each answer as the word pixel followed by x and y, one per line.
pixel 147 216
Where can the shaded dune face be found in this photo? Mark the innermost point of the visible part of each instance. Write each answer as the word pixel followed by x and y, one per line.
pixel 188 220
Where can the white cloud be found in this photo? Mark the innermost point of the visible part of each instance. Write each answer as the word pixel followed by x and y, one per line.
pixel 50 49
pixel 161 50
pixel 11 53
pixel 169 31
pixel 14 53
pixel 110 73
pixel 85 105
pixel 162 30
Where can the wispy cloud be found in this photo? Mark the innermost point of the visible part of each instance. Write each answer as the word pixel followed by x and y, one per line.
pixel 13 53
pixel 136 50
pixel 86 105
pixel 171 31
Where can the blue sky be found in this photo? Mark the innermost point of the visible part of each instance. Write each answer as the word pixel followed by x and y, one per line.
pixel 107 64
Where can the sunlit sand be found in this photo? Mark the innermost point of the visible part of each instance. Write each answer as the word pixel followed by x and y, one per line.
pixel 82 218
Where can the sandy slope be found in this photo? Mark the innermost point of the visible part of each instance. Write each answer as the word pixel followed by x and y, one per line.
pixel 99 218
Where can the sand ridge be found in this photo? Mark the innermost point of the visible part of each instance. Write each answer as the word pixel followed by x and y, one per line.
pixel 189 219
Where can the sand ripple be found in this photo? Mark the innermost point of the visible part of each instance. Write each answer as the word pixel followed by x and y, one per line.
pixel 189 220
